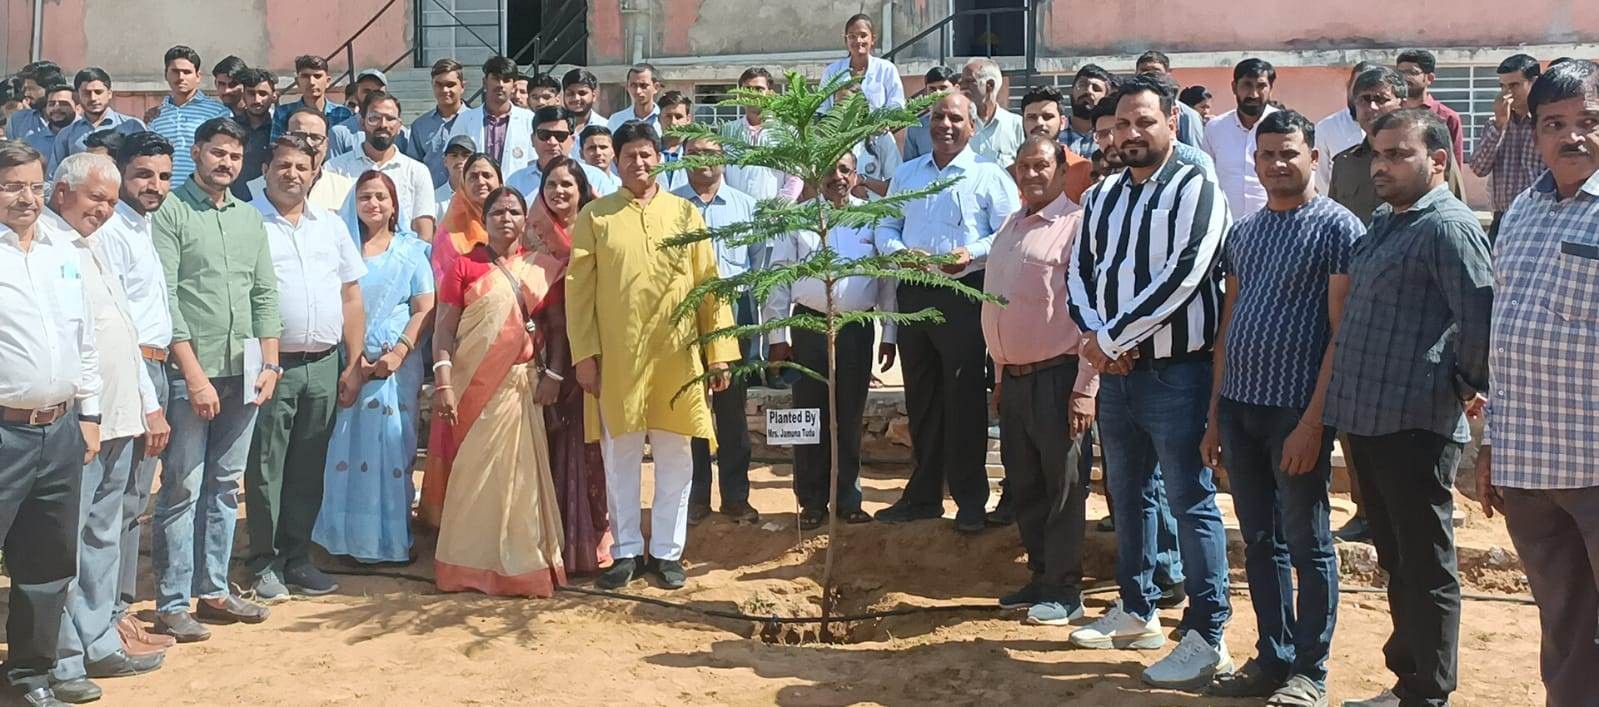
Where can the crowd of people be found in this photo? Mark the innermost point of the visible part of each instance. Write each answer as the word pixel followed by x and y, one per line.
pixel 246 295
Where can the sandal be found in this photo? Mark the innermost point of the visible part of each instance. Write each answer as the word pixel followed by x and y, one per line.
pixel 1299 691
pixel 856 517
pixel 810 519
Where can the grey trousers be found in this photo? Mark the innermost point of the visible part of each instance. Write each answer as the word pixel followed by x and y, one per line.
pixel 40 468
pixel 1048 473
pixel 88 634
pixel 1556 532
pixel 136 503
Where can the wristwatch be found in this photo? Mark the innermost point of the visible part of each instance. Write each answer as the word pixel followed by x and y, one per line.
pixel 273 367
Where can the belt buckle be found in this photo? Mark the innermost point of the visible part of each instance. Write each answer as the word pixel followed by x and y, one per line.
pixel 33 416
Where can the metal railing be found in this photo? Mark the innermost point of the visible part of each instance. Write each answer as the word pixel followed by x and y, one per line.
pixel 455 24
pixel 557 38
pixel 945 27
pixel 347 49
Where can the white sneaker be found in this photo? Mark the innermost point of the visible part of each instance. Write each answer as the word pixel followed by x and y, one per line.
pixel 1193 664
pixel 1121 630
pixel 1386 698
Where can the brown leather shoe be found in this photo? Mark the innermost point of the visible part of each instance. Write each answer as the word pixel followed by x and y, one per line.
pixel 136 641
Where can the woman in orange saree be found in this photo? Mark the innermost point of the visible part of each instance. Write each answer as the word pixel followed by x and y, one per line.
pixel 500 530
pixel 460 235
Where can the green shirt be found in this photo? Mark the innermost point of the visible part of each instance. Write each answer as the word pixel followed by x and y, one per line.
pixel 219 276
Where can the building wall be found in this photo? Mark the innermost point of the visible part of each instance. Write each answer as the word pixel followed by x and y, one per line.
pixel 128 37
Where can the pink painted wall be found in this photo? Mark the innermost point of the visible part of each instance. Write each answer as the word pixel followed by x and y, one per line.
pixel 1075 26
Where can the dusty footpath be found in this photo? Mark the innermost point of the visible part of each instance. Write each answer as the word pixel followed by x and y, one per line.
pixel 388 640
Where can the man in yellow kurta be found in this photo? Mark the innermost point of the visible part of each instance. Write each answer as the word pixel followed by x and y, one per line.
pixel 621 289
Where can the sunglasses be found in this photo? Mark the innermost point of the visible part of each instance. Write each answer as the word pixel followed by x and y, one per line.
pixel 556 135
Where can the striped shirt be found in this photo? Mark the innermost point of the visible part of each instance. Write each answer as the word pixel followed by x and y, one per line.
pixel 1279 330
pixel 1544 346
pixel 1143 273
pixel 1509 159
pixel 178 123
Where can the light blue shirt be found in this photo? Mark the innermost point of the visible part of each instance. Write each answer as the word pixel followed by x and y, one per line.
pixel 45 142
pixel 348 136
pixel 530 179
pixel 430 134
pixel 965 215
pixel 24 123
pixel 177 124
pixel 622 116
pixel 728 207
pixel 1190 127
pixel 70 140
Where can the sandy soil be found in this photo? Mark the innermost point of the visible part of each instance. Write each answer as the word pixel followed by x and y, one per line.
pixel 392 641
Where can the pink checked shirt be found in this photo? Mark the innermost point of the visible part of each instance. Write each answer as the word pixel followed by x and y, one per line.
pixel 1027 266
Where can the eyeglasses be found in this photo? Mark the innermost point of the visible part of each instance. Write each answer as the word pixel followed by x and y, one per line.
pixel 556 135
pixel 16 188
pixel 312 138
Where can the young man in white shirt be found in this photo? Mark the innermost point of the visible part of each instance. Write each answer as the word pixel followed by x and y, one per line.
pixel 413 184
pixel 1230 137
pixel 318 271
pixel 85 195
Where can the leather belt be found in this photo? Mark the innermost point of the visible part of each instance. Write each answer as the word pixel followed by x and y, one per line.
pixel 151 353
pixel 300 359
pixel 36 418
pixel 1025 369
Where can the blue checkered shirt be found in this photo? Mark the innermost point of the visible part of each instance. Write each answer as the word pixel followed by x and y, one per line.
pixel 1542 419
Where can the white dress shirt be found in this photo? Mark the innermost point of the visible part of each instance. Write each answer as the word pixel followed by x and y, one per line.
pixel 759 182
pixel 1232 146
pixel 313 261
pixel 1000 138
pixel 852 294
pixel 576 152
pixel 334 192
pixel 965 215
pixel 47 346
pixel 442 197
pixel 1334 134
pixel 129 253
pixel 413 183
pixel 127 394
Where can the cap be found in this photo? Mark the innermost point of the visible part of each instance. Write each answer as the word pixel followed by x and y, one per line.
pixel 463 142
pixel 373 73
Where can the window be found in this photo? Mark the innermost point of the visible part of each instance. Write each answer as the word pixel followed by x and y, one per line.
pixel 706 98
pixel 1471 91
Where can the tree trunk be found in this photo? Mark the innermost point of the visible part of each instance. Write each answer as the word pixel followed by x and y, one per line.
pixel 832 434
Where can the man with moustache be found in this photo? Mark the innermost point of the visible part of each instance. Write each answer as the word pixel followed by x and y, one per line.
pixel 552 138
pixel 30 118
pixel 852 354
pixel 1041 117
pixel 635 359
pixel 1420 281
pixel 85 195
pixel 346 137
pixel 1090 86
pixel 1506 153
pixel 430 133
pixel 318 269
pixel 145 160
pixel 1536 464
pixel 93 88
pixel 944 362
pixel 1419 67
pixel 1045 390
pixel 938 80
pixel 1287 276
pixel 49 420
pixel 1338 131
pixel 224 303
pixel 1144 290
pixel 1230 137
pixel 60 110
pixel 997 132
pixel 330 190
pixel 1377 92
pixel 258 95
pixel 413 184
pixel 1191 125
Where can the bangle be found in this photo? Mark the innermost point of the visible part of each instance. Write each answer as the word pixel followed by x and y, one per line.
pixel 442 364
pixel 403 339
pixel 552 375
pixel 444 387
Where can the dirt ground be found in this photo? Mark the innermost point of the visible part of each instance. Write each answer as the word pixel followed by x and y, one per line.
pixel 393 641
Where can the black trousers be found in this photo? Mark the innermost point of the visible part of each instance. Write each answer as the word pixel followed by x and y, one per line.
pixel 1556 532
pixel 1047 473
pixel 946 395
pixel 1406 479
pixel 732 438
pixel 812 462
pixel 40 472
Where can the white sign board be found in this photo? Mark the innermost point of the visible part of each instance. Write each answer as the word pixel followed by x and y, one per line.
pixel 797 426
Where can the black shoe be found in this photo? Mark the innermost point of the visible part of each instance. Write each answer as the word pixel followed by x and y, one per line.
pixel 698 512
pixel 1248 681
pixel 811 519
pixel 1106 525
pixel 1000 517
pixel 1172 597
pixel 741 512
pixel 121 665
pixel 620 573
pixel 1022 598
pixel 230 609
pixel 905 513
pixel 970 526
pixel 671 573
pixel 181 626
pixel 1355 531
pixel 307 579
pixel 72 692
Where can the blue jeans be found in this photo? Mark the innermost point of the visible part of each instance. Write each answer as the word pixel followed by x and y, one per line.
pixel 197 506
pixel 1150 417
pixel 88 632
pixel 1285 526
